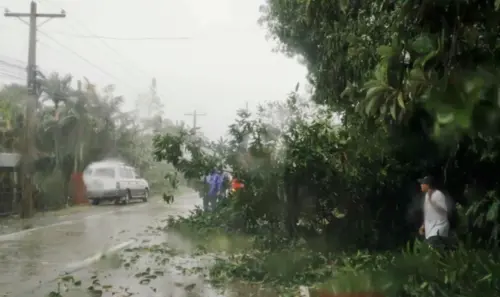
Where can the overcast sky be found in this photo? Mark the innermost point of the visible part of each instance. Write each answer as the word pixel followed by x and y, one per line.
pixel 225 62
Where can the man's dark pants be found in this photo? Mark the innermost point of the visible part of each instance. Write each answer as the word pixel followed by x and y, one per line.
pixel 209 201
pixel 438 242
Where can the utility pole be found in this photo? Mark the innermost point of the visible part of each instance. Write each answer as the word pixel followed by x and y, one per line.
pixel 195 115
pixel 28 139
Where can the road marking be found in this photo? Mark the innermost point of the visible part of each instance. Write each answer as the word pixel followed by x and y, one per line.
pixel 14 235
pixel 96 257
pixel 81 264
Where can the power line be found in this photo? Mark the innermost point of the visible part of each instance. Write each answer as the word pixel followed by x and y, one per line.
pixel 13 60
pixel 33 16
pixel 9 71
pixel 119 38
pixel 87 60
pixel 81 57
pixel 8 64
pixel 10 75
pixel 132 65
pixel 17 64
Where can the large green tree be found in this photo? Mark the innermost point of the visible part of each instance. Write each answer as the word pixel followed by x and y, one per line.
pixel 419 81
pixel 414 86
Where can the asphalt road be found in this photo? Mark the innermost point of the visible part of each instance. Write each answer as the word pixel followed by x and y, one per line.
pixel 32 261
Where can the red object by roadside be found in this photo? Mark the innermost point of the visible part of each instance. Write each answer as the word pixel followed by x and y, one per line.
pixel 78 189
pixel 236 184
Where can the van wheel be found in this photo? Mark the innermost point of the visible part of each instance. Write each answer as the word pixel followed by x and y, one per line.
pixel 146 195
pixel 127 198
pixel 94 201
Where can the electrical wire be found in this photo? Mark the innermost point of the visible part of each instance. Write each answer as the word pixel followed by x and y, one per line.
pixel 10 75
pixel 67 48
pixel 9 64
pixel 12 70
pixel 132 66
pixel 13 60
pixel 119 38
pixel 82 58
pixel 103 42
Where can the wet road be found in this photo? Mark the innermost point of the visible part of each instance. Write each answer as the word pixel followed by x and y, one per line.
pixel 31 260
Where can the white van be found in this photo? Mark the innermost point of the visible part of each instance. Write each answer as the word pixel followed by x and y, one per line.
pixel 114 181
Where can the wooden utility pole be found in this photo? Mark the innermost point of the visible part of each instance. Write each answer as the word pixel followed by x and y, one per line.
pixel 28 138
pixel 195 116
pixel 78 158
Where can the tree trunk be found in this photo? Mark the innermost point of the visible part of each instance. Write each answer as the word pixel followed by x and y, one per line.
pixel 27 209
pixel 75 158
pixel 78 158
pixel 81 153
pixel 292 205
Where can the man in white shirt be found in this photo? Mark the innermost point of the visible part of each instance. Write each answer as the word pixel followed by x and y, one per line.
pixel 436 226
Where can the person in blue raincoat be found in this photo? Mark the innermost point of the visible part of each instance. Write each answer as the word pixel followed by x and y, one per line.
pixel 214 184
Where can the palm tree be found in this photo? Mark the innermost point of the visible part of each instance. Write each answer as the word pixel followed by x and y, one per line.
pixel 58 90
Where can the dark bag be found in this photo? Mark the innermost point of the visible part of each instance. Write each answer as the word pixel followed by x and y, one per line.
pixel 453 217
pixel 451 205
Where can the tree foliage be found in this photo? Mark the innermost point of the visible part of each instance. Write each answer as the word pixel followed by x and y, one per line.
pixel 77 126
pixel 403 89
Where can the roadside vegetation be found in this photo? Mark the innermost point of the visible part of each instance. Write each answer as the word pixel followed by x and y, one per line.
pixel 77 123
pixel 398 90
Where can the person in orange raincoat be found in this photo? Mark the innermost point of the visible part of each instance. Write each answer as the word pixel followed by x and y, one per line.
pixel 236 185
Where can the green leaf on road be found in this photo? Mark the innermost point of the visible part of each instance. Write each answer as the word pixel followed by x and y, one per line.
pixel 190 287
pixel 68 278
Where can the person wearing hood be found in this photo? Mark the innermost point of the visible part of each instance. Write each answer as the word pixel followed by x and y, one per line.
pixel 214 183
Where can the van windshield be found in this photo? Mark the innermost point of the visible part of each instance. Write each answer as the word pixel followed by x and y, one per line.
pixel 104 172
